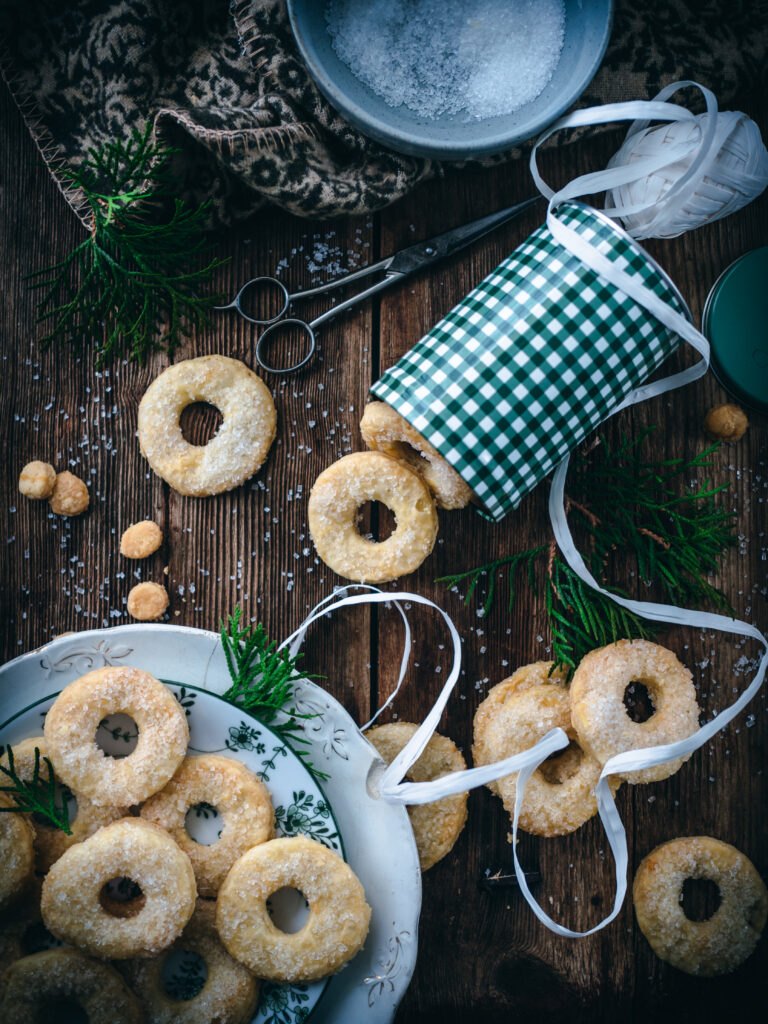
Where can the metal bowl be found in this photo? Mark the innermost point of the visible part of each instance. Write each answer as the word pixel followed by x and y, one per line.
pixel 452 136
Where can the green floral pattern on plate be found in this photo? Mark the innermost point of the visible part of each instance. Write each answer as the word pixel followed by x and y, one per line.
pixel 307 817
pixel 284 1004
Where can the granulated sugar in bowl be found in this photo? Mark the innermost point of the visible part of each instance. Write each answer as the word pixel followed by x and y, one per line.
pixel 451 79
pixel 485 59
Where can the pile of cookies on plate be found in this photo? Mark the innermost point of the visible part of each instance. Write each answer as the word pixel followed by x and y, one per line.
pixel 129 885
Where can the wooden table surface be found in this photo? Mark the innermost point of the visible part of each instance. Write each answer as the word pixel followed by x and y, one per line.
pixel 483 956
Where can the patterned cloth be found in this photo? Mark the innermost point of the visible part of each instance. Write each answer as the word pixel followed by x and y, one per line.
pixel 532 360
pixel 224 83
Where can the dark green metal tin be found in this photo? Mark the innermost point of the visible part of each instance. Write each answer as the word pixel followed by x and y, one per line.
pixel 735 320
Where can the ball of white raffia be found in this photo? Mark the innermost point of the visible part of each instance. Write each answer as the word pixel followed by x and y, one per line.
pixel 735 175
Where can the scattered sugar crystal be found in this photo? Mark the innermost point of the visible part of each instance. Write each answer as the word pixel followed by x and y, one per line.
pixel 485 58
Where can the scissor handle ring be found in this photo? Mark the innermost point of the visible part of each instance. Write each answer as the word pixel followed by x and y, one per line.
pixel 275 327
pixel 257 280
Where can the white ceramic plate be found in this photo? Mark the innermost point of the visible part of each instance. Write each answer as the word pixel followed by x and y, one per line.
pixel 375 837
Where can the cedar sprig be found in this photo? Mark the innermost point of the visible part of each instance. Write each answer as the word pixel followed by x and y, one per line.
pixel 139 270
pixel 38 795
pixel 621 504
pixel 581 619
pixel 263 682
pixel 676 538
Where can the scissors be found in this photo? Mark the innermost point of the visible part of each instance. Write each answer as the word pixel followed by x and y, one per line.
pixel 396 268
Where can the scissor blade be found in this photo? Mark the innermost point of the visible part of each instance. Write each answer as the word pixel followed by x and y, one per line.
pixel 409 260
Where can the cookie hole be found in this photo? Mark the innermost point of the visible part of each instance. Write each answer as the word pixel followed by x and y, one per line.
pixel 700 898
pixel 122 897
pixel 639 702
pixel 375 521
pixel 60 1011
pixel 562 765
pixel 203 824
pixel 117 735
pixel 35 938
pixel 407 453
pixel 184 974
pixel 200 423
pixel 288 909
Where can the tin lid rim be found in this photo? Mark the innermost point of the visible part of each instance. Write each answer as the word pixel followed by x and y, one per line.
pixel 723 378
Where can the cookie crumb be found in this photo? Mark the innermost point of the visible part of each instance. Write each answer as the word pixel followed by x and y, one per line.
pixel 726 422
pixel 70 495
pixel 147 601
pixel 141 539
pixel 37 480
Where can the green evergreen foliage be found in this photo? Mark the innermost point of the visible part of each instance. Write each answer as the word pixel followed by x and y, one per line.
pixel 262 682
pixel 39 795
pixel 621 506
pixel 132 285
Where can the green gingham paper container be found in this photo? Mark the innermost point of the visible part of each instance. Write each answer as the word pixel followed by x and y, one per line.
pixel 532 360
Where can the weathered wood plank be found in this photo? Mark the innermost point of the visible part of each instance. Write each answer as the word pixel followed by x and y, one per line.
pixel 250 546
pixel 60 574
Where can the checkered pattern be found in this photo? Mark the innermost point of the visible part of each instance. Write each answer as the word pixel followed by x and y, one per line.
pixel 533 359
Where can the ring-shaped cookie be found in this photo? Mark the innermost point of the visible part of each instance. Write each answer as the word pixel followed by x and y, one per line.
pixel 17 852
pixel 560 794
pixel 600 716
pixel 70 732
pixel 342 489
pixel 249 424
pixel 438 825
pixel 50 841
pixel 338 914
pixel 385 430
pixel 31 984
pixel 74 908
pixel 538 673
pixel 723 941
pixel 229 994
pixel 244 807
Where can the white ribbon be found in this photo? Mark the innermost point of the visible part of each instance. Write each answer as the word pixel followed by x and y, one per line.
pixel 640 112
pixel 391 786
pixel 682 326
pixel 296 639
